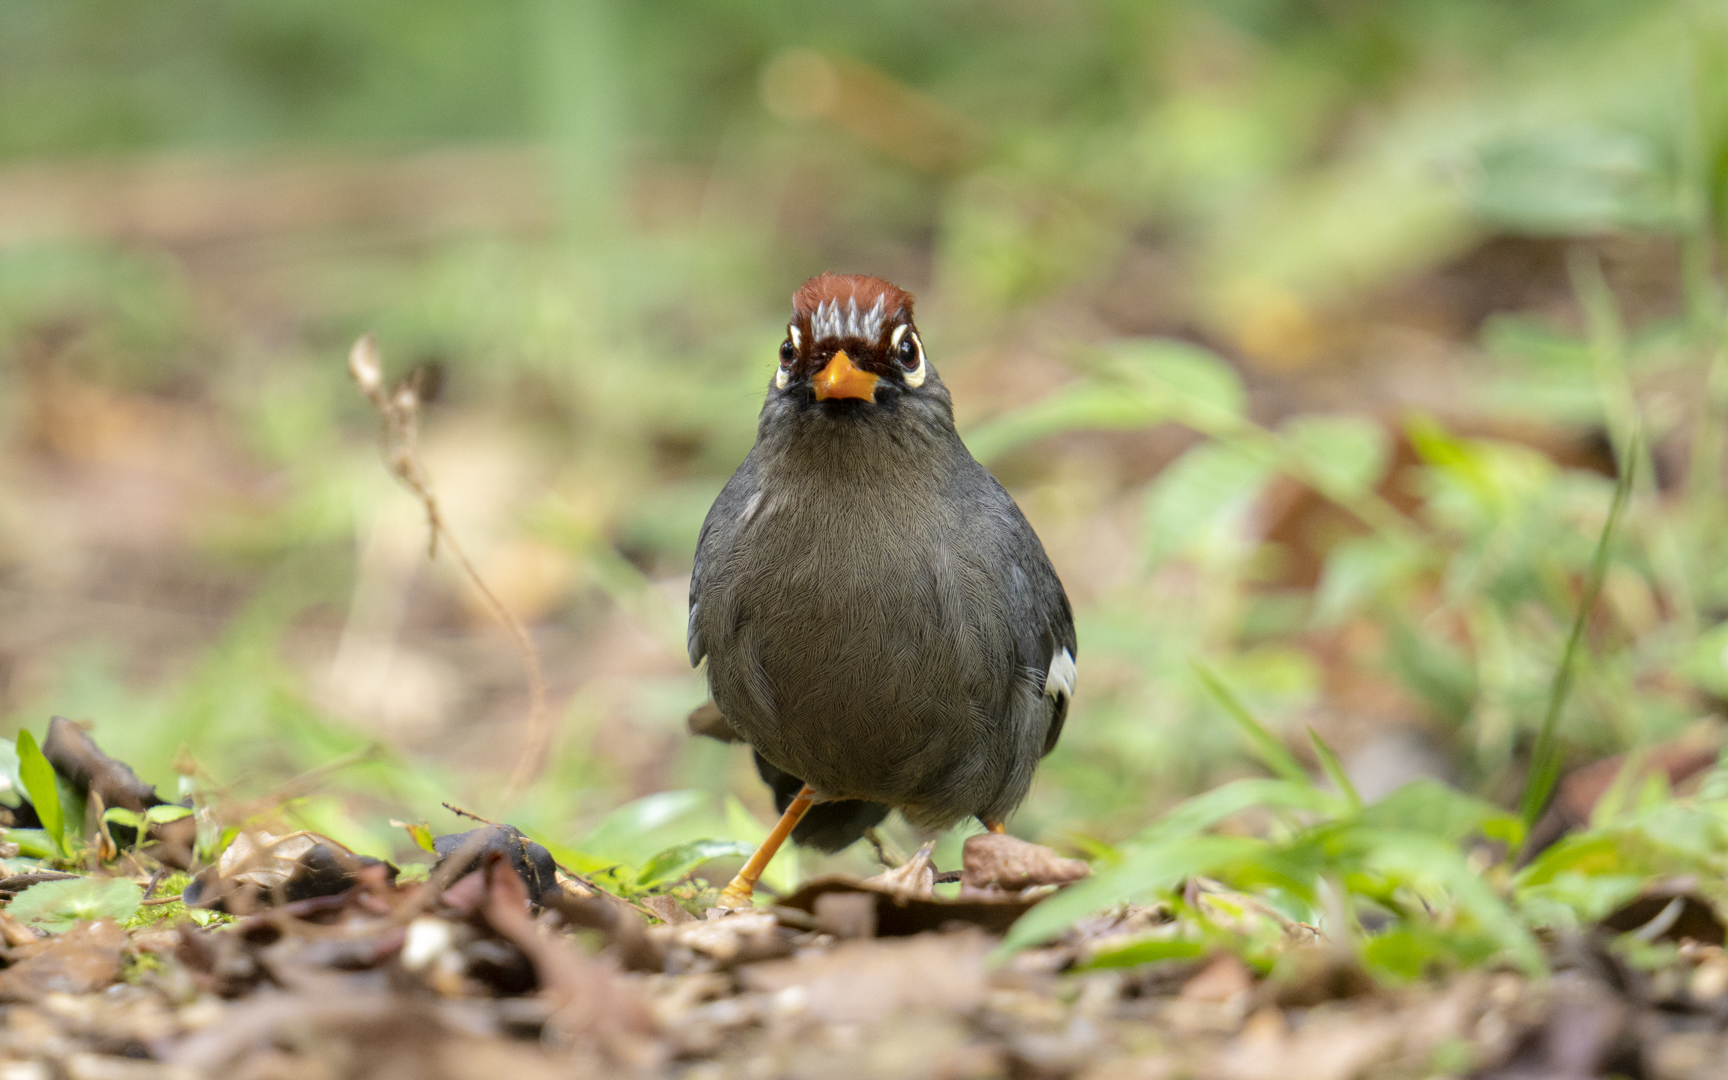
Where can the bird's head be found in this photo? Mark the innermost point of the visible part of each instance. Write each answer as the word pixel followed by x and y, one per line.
pixel 851 346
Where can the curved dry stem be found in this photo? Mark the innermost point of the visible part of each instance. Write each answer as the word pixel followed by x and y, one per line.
pixel 398 410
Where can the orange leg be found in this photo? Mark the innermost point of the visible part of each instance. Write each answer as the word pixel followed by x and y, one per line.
pixel 737 894
pixel 995 826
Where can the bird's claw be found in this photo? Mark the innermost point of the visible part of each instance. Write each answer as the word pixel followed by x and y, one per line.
pixel 914 879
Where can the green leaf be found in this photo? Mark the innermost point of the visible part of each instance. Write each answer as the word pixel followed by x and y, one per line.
pixel 1359 569
pixel 163 813
pixel 1421 857
pixel 1145 382
pixel 1200 500
pixel 1345 456
pixel 1083 405
pixel 1410 951
pixel 420 833
pixel 621 834
pixel 119 815
pixel 1145 951
pixel 678 859
pixel 38 778
pixel 56 906
pixel 1266 746
pixel 1593 854
pixel 34 843
pixel 1143 871
pixel 1209 808
pixel 1199 387
pixel 1435 809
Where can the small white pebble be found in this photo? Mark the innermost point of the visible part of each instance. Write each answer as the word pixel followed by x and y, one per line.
pixel 428 939
pixel 791 1001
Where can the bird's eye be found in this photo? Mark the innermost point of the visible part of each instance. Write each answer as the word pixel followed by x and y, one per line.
pixel 788 353
pixel 907 353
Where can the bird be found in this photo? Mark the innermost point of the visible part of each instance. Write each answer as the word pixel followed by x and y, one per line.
pixel 879 620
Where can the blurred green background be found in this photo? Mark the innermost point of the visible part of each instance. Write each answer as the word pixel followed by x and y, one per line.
pixel 1308 334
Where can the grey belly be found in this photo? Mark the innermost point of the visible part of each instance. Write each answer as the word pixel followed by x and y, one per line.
pixel 883 691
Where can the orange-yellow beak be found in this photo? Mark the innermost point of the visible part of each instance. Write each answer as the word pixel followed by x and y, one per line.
pixel 844 379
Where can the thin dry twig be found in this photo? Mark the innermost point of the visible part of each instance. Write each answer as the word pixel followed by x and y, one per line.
pixel 399 409
pixel 471 815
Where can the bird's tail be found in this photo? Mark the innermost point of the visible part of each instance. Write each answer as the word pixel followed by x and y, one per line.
pixel 827 826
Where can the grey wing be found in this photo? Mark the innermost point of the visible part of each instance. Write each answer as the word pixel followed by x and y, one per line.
pixel 718 530
pixel 1043 621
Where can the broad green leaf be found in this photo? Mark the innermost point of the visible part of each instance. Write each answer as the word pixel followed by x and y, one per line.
pixel 73 807
pixel 1359 569
pixel 39 784
pixel 166 812
pixel 677 860
pixel 1209 808
pixel 1142 871
pixel 57 905
pixel 622 834
pixel 119 815
pixel 1435 809
pixel 1409 951
pixel 1590 854
pixel 1145 951
pixel 1201 388
pixel 1575 178
pixel 34 843
pixel 1345 455
pixel 1706 662
pixel 1568 900
pixel 1146 382
pixel 1083 405
pixel 611 870
pixel 1201 500
pixel 1421 857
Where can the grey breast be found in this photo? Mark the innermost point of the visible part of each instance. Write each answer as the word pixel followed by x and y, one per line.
pixel 859 636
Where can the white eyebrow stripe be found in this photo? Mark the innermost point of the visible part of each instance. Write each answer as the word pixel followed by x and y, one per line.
pixel 831 322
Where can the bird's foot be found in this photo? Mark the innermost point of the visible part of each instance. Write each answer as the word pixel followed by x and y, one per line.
pixel 735 897
pixel 997 861
pixel 914 879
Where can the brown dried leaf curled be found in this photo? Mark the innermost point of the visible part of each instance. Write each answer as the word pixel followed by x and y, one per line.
pixel 1000 861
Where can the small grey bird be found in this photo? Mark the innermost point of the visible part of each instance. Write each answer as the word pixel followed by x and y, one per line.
pixel 881 623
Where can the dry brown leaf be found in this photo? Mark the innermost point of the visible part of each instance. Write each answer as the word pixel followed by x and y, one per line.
pixel 85 958
pixel 1000 861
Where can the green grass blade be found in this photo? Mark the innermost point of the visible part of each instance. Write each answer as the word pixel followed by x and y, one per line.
pixel 1334 770
pixel 1545 758
pixel 1266 746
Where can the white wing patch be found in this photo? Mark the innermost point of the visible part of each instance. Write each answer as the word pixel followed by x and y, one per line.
pixel 833 322
pixel 750 508
pixel 1059 680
